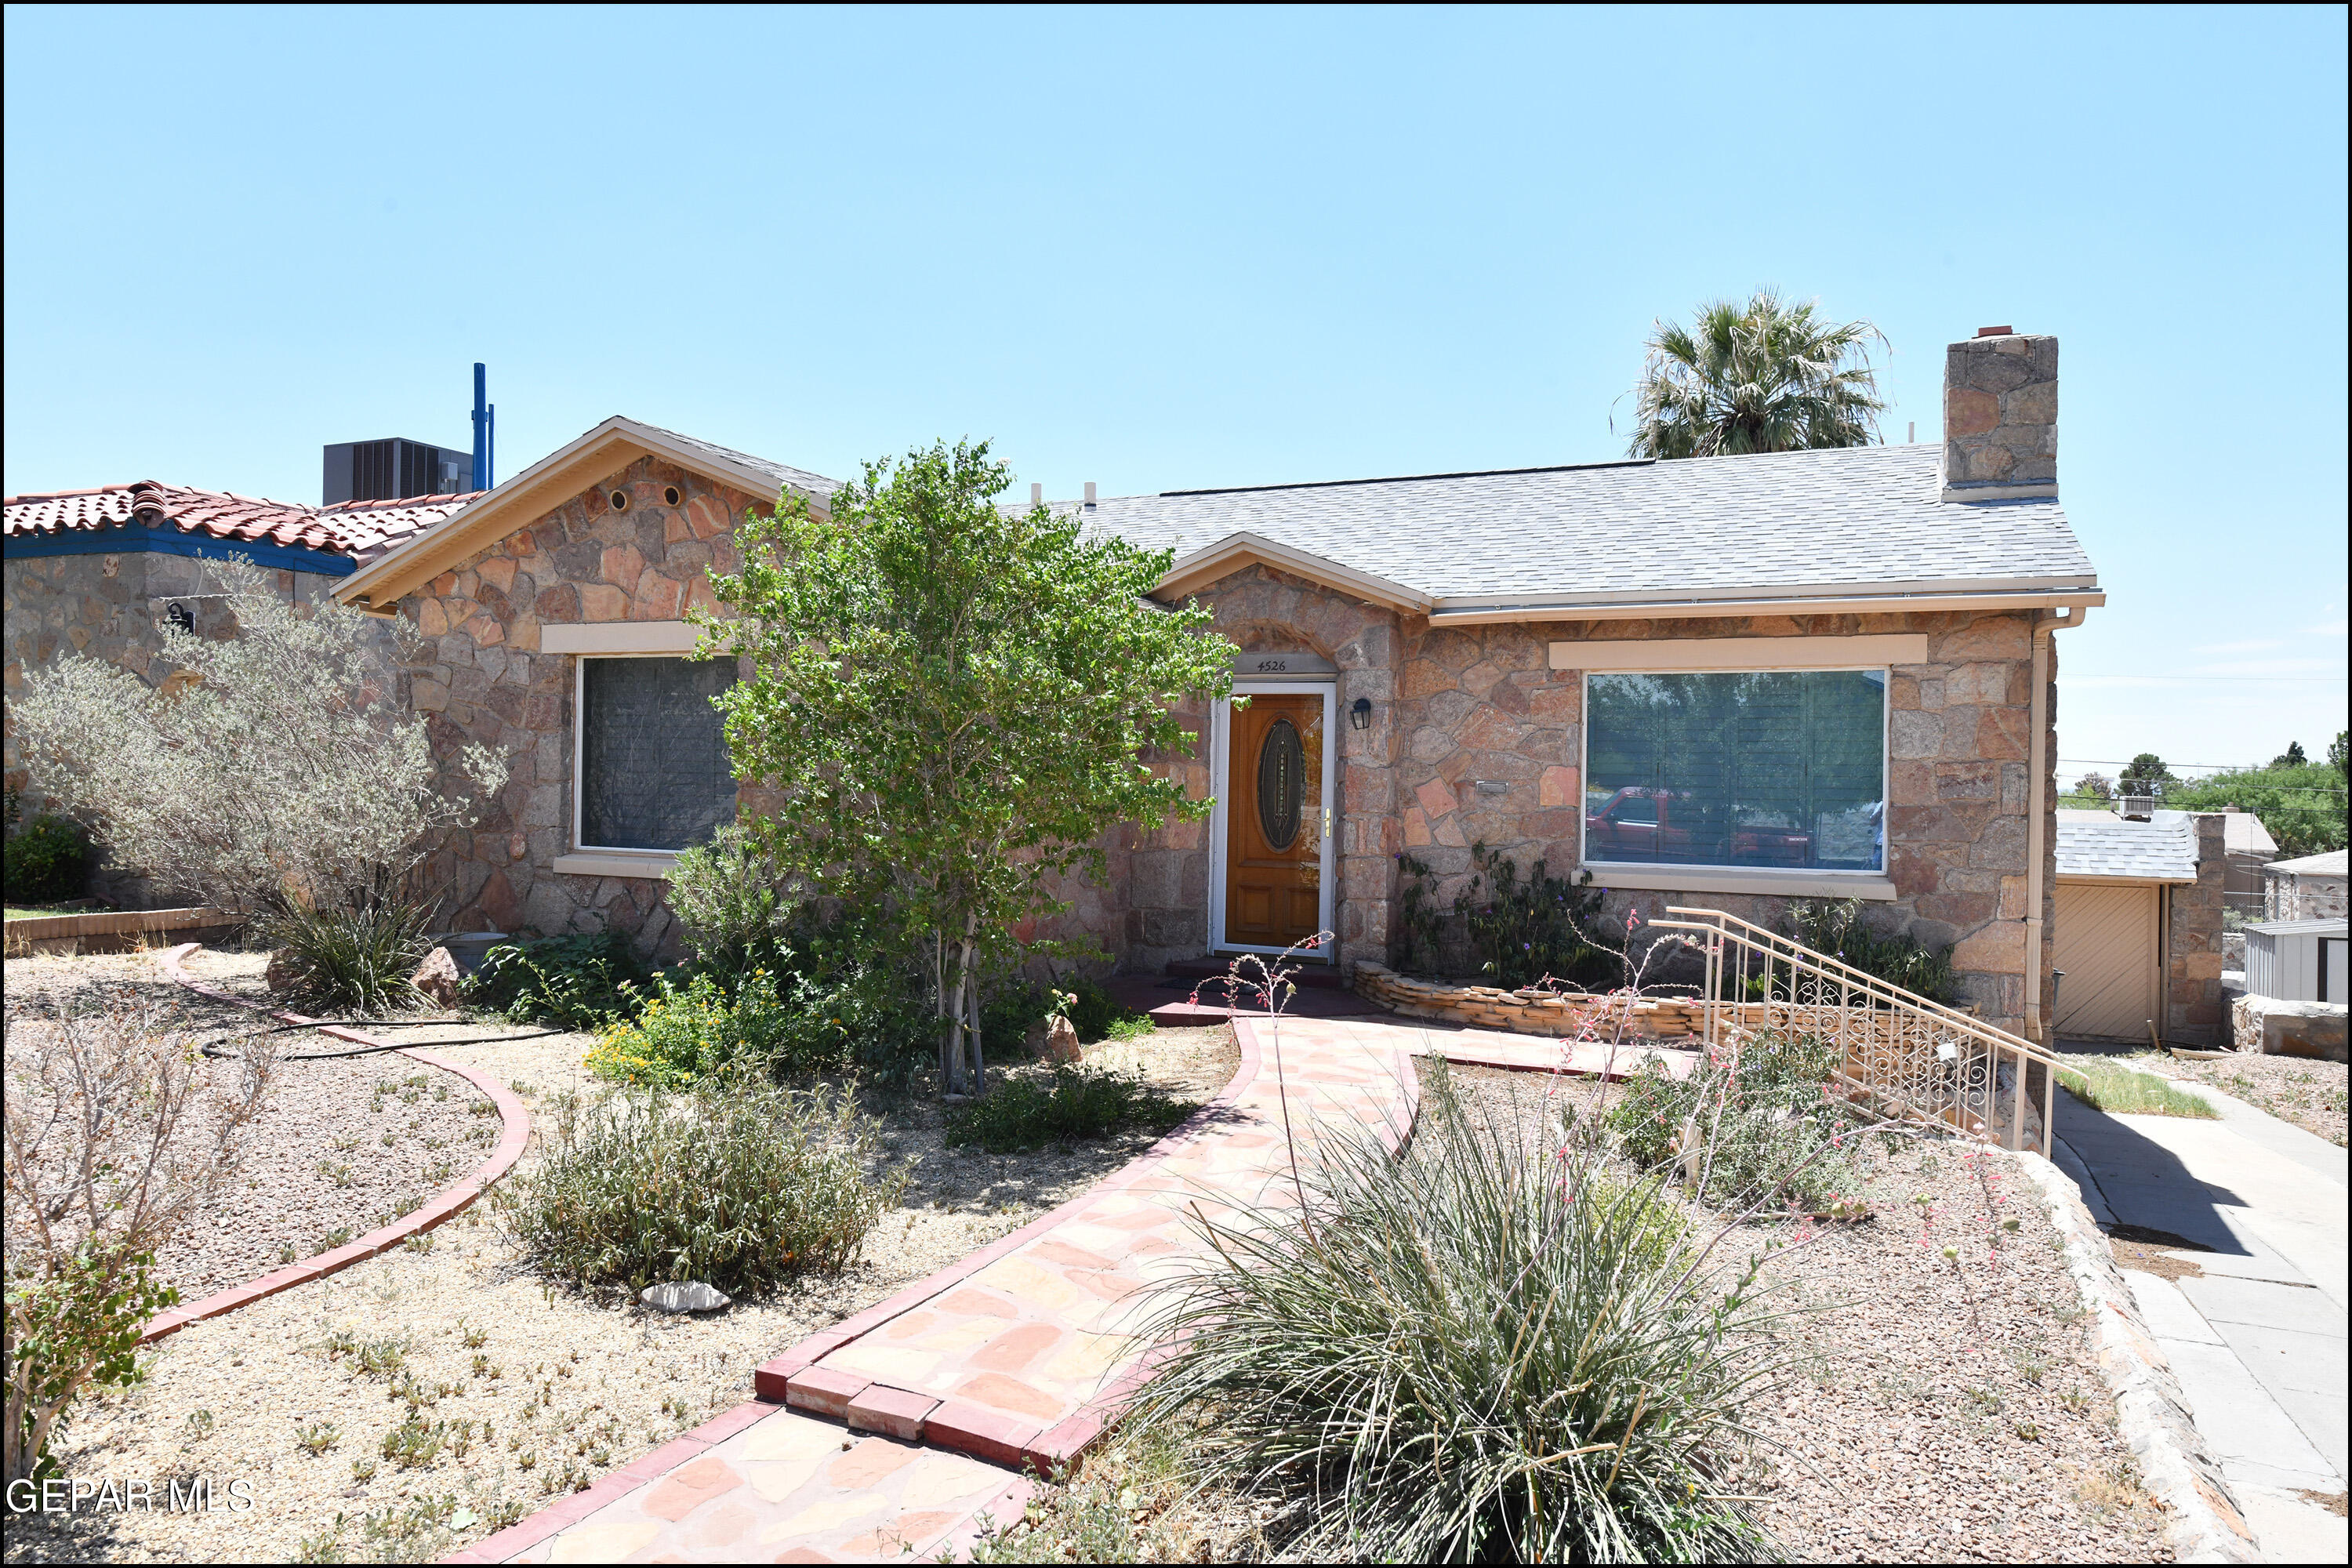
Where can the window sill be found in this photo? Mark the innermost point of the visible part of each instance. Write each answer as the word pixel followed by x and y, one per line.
pixel 1770 884
pixel 652 864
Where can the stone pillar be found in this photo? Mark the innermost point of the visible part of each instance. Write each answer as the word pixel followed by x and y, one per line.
pixel 2195 1010
pixel 2001 417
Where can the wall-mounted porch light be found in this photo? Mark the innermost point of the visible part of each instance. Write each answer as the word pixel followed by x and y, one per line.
pixel 1360 713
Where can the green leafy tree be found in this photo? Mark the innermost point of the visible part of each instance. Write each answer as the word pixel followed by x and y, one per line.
pixel 2336 757
pixel 2302 808
pixel 1764 376
pixel 2095 787
pixel 2147 774
pixel 2291 757
pixel 953 701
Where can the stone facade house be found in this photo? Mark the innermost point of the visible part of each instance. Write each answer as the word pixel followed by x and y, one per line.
pixel 111 571
pixel 1726 682
pixel 2309 888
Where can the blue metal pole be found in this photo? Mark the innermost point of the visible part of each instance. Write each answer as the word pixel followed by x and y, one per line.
pixel 491 443
pixel 481 427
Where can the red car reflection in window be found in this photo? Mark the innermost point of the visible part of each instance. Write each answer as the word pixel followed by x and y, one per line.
pixel 1639 824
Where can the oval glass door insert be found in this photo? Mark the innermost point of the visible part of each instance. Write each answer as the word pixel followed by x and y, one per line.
pixel 1281 783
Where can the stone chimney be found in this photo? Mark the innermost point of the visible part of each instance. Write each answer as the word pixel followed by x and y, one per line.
pixel 2000 417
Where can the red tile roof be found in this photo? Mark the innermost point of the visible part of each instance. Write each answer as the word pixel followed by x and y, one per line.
pixel 362 530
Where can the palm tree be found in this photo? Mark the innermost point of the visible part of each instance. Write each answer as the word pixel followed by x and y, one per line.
pixel 1766 376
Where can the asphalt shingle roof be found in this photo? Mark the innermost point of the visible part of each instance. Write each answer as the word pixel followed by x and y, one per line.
pixel 2331 864
pixel 2099 844
pixel 1779 522
pixel 783 473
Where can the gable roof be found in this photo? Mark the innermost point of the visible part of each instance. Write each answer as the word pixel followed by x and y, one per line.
pixel 2243 834
pixel 358 530
pixel 1704 535
pixel 2331 864
pixel 1854 529
pixel 555 479
pixel 2101 844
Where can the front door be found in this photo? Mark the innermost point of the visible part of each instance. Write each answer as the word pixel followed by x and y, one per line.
pixel 1276 820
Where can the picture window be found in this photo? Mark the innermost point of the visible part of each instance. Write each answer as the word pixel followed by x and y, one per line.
pixel 652 765
pixel 1765 769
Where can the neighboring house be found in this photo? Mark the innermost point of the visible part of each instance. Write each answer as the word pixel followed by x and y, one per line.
pixel 2310 888
pixel 1730 681
pixel 2250 848
pixel 98 570
pixel 2140 940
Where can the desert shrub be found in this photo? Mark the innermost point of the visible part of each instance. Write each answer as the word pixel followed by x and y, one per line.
pixel 280 762
pixel 1836 928
pixel 48 861
pixel 1475 1353
pixel 732 910
pixel 1064 1105
pixel 736 1183
pixel 1758 1121
pixel 117 1135
pixel 346 959
pixel 1517 930
pixel 583 980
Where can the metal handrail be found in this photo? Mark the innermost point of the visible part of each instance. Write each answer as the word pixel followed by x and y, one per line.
pixel 1924 1078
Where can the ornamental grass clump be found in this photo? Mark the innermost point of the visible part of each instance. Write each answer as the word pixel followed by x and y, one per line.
pixel 358 960
pixel 1486 1351
pixel 736 1183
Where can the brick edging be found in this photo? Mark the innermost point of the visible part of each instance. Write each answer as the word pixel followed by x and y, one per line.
pixel 515 1124
pixel 2202 1518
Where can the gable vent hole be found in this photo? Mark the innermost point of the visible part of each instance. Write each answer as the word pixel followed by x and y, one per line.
pixel 620 499
pixel 671 496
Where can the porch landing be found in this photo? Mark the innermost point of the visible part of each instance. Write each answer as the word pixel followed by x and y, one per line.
pixel 910 1425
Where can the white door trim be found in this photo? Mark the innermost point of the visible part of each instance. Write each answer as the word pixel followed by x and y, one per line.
pixel 1221 726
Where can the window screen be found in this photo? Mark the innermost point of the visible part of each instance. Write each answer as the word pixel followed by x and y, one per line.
pixel 653 753
pixel 1737 770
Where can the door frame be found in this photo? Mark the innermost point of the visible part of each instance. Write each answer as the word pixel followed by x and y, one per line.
pixel 1221 726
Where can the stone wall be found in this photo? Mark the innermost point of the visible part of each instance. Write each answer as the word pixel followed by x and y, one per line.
pixel 1165 899
pixel 1496 741
pixel 2303 896
pixel 483 679
pixel 2196 1009
pixel 1475 738
pixel 111 607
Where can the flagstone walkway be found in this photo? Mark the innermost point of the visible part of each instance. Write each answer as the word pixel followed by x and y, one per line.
pixel 913 1424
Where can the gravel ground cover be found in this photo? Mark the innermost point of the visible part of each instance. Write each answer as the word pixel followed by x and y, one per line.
pixel 2310 1094
pixel 1942 1410
pixel 417 1400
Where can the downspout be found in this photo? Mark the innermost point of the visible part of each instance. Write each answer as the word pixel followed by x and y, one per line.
pixel 2036 831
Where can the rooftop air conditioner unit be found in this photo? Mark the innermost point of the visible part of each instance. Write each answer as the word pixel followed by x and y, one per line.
pixel 394 470
pixel 2137 807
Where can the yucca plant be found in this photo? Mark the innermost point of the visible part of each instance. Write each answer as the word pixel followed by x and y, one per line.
pixel 351 958
pixel 736 1183
pixel 1489 1350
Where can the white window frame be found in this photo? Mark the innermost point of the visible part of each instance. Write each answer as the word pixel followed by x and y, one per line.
pixel 640 639
pixel 1784 882
pixel 1221 726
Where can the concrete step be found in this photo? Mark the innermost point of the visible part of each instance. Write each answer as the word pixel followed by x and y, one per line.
pixel 1316 973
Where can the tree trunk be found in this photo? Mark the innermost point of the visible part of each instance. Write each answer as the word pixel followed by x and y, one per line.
pixel 972 1001
pixel 950 1073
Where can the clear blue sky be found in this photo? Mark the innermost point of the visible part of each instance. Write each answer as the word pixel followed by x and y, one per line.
pixel 1162 249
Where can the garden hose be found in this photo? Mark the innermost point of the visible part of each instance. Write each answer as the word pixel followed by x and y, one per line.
pixel 212 1050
